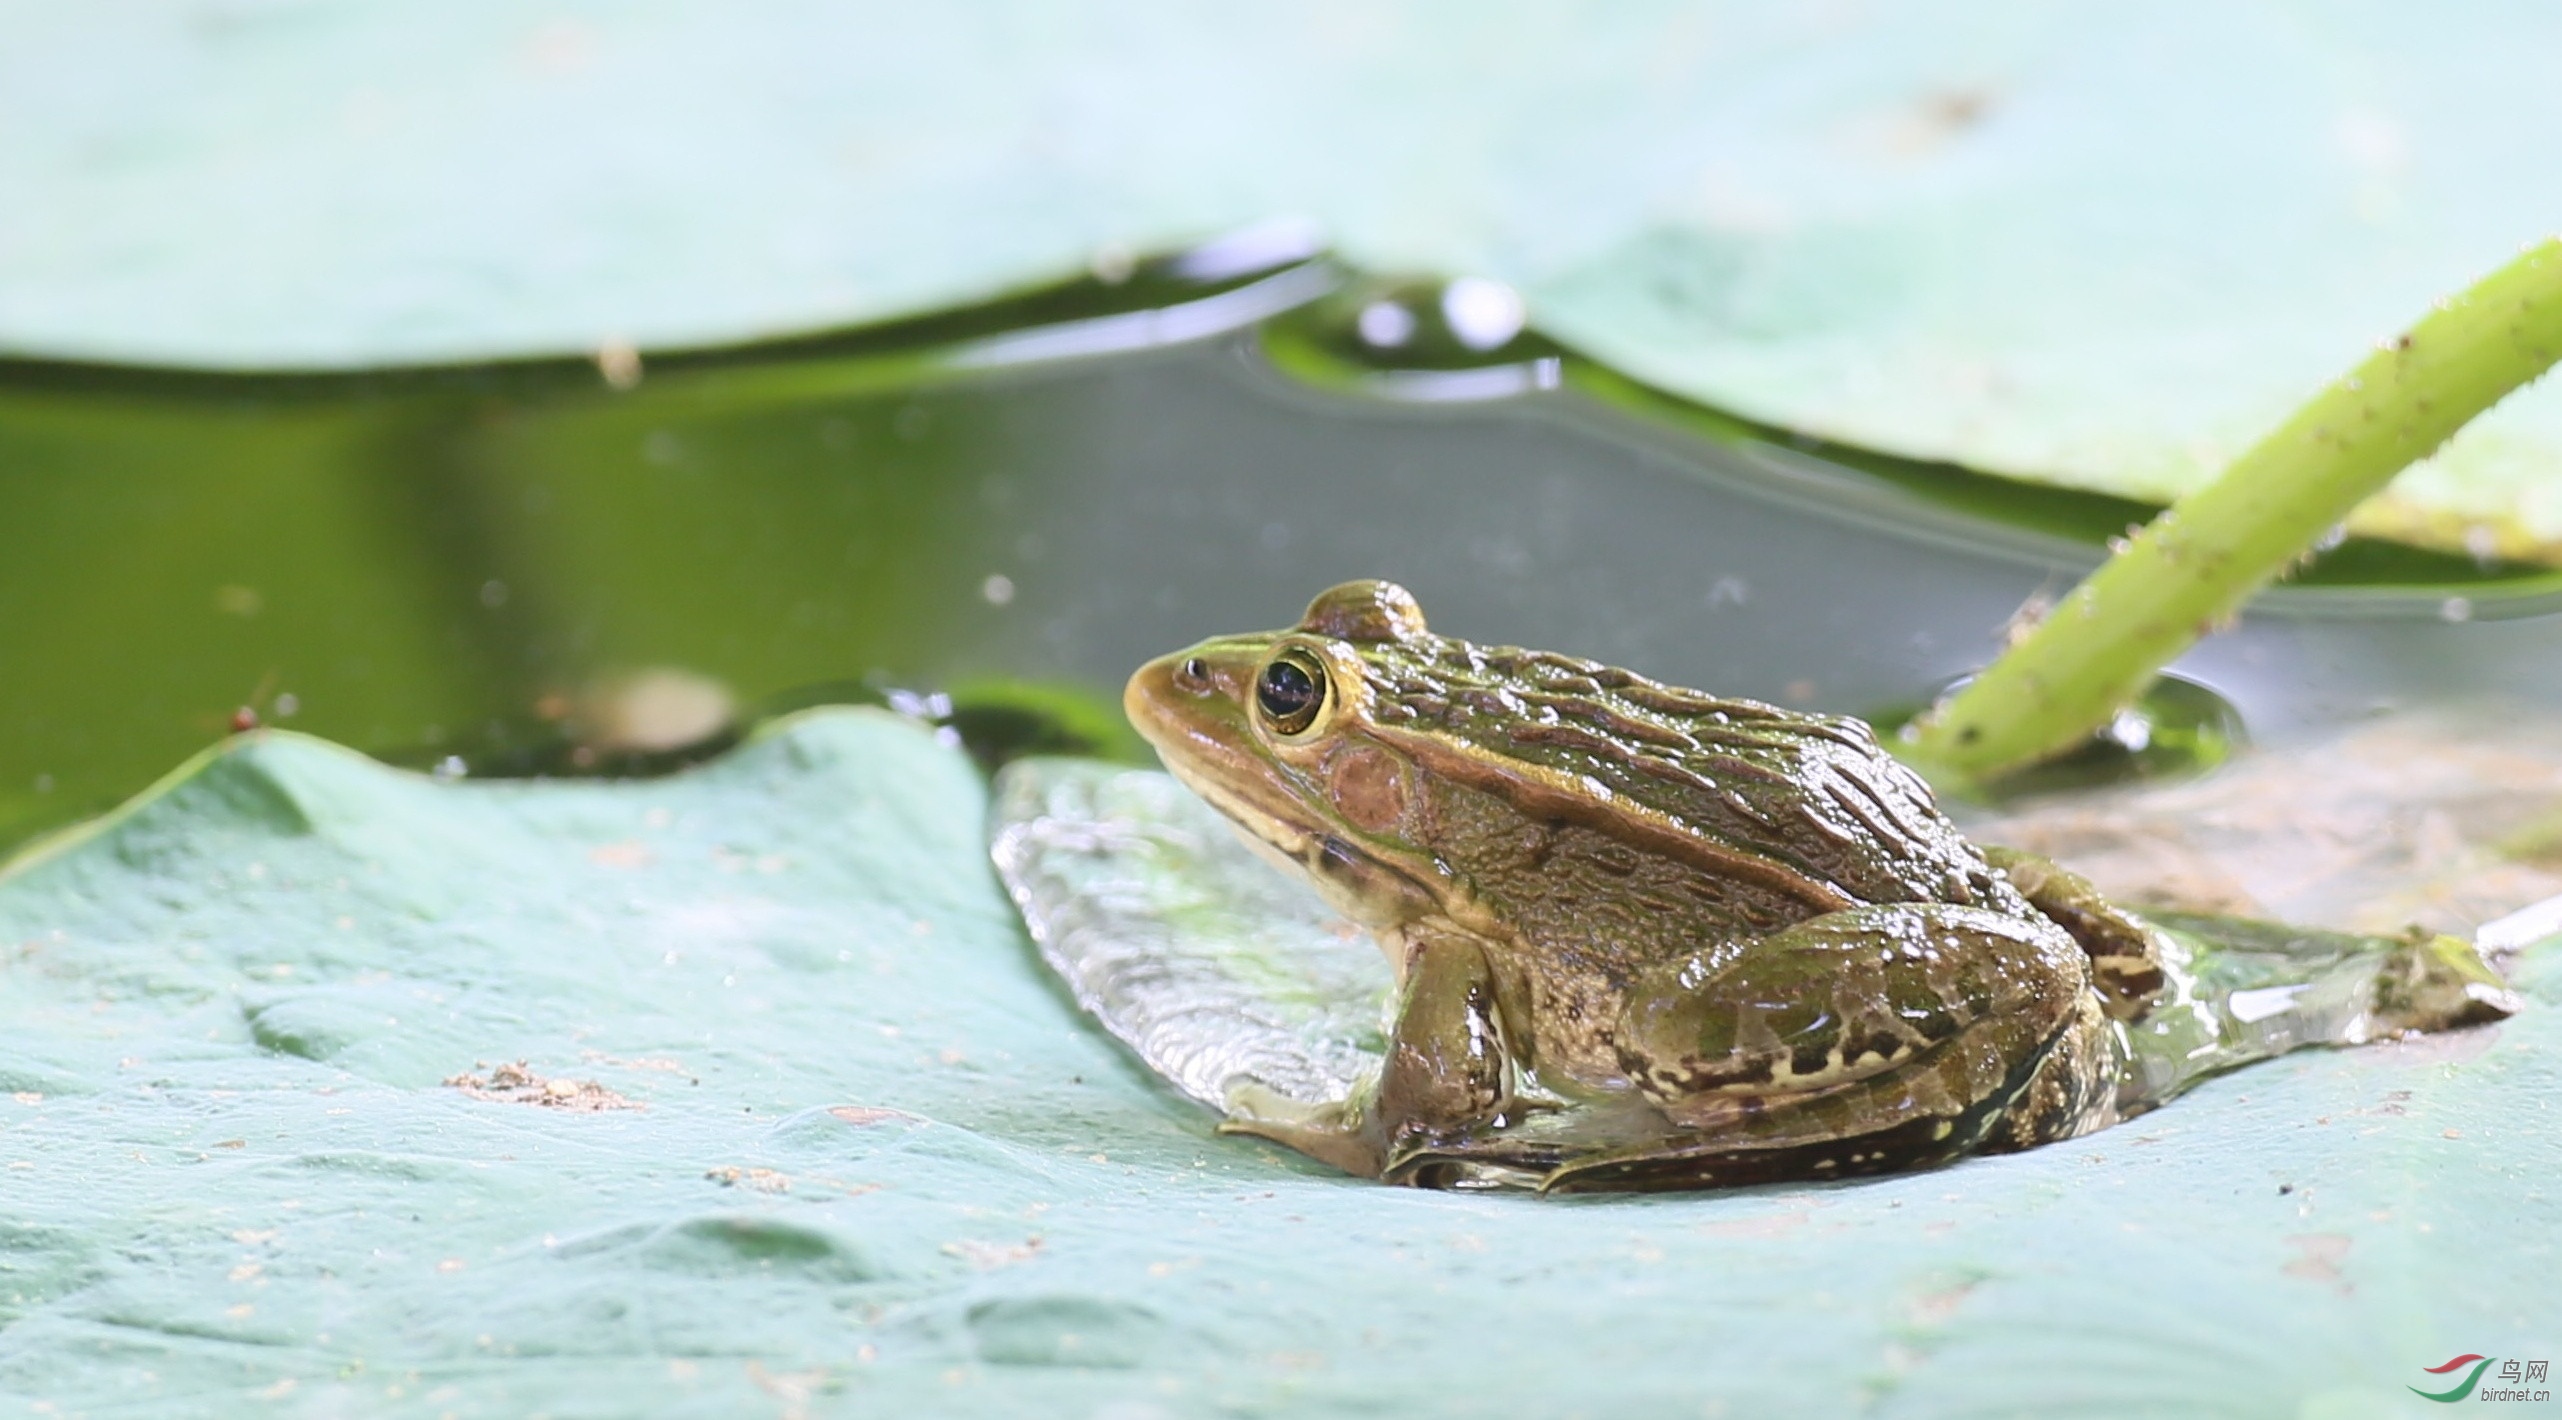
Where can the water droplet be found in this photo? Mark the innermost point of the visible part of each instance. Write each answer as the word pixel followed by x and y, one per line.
pixel 1112 263
pixel 1418 339
pixel 1386 325
pixel 927 705
pixel 2455 609
pixel 998 589
pixel 2132 731
pixel 450 767
pixel 1483 314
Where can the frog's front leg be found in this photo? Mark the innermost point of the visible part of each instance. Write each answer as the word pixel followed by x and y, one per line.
pixel 2128 954
pixel 1448 1070
pixel 1877 1038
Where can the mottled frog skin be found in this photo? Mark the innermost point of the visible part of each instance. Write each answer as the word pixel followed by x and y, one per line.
pixel 1644 937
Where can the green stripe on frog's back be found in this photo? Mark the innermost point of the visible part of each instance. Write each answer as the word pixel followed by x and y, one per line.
pixel 1807 805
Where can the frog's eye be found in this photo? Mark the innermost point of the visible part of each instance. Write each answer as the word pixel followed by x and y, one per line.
pixel 1290 692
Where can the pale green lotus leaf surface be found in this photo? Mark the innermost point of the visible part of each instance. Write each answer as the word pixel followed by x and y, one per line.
pixel 803 1126
pixel 2093 243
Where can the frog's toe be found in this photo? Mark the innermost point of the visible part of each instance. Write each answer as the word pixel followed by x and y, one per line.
pixel 1332 1133
pixel 2438 982
pixel 2127 953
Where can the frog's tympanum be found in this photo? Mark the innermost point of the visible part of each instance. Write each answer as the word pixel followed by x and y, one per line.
pixel 1646 937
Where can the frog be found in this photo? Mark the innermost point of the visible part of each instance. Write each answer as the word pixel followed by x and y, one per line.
pixel 1647 937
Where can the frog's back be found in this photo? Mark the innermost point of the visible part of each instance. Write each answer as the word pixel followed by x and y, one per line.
pixel 1809 805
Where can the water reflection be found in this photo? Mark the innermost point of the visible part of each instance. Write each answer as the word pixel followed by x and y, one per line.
pixel 1014 504
pixel 1419 340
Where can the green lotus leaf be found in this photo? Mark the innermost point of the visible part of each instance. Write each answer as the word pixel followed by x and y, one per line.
pixel 337 1089
pixel 2103 246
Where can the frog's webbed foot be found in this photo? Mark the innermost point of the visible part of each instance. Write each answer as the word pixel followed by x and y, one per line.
pixel 1336 1133
pixel 2436 982
pixel 2128 955
pixel 2338 988
pixel 2255 989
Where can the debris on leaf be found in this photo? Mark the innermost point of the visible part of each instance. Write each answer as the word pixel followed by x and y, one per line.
pixel 516 1083
pixel 762 1180
pixel 988 1256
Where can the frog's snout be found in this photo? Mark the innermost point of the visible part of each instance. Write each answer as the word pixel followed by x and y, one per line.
pixel 1173 695
pixel 1139 696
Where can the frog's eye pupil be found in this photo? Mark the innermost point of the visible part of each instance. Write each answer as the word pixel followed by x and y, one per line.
pixel 1290 694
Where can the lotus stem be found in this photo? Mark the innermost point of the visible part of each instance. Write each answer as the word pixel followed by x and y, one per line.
pixel 2189 571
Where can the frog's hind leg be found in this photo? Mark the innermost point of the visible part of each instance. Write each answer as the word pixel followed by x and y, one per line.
pixel 2129 956
pixel 1884 1037
pixel 1713 1159
pixel 2075 1088
pixel 2066 1091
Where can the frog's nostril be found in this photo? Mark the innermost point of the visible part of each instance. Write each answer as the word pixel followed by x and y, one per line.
pixel 1193 675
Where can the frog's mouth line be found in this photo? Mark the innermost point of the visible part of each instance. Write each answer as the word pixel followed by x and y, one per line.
pixel 1199 753
pixel 1294 841
pixel 1367 891
pixel 1201 750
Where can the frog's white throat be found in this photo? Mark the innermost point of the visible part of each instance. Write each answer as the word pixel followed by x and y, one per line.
pixel 1297 850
